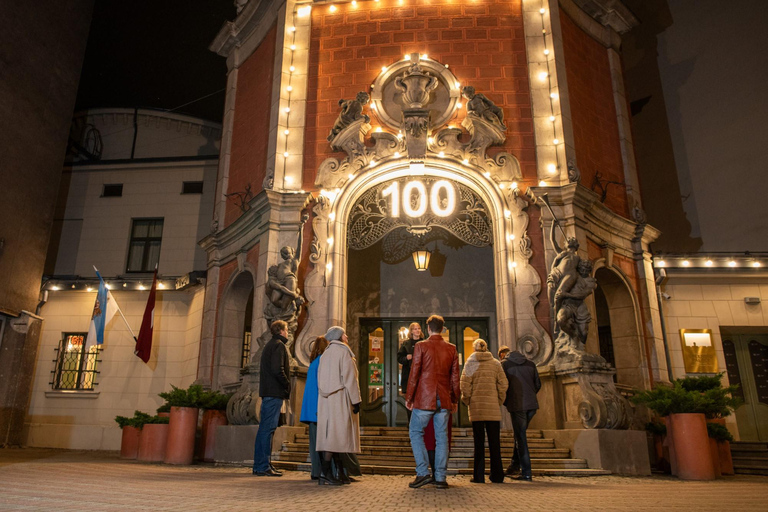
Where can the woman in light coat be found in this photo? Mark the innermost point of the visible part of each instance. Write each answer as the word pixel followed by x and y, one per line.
pixel 484 389
pixel 338 404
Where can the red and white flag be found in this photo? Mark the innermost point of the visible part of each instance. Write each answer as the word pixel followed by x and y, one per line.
pixel 144 341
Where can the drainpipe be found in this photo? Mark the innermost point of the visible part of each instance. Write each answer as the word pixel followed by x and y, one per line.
pixel 42 302
pixel 135 130
pixel 659 281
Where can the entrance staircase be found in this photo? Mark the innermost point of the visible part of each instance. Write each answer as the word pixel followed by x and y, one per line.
pixel 387 451
pixel 750 458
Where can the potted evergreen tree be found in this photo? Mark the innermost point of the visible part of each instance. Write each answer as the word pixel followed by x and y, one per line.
pixel 185 407
pixel 685 406
pixel 129 444
pixel 214 415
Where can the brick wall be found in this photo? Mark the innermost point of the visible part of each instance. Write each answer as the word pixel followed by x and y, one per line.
pixel 481 41
pixel 250 133
pixel 595 128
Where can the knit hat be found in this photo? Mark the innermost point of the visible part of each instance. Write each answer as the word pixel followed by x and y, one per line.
pixel 334 333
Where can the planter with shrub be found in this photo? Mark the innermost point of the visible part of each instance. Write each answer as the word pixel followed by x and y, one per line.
pixel 153 439
pixel 129 444
pixel 214 415
pixel 686 405
pixel 185 407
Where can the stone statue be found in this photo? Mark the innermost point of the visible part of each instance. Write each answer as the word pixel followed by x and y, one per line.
pixel 480 106
pixel 573 317
pixel 351 111
pixel 240 5
pixel 282 288
pixel 564 271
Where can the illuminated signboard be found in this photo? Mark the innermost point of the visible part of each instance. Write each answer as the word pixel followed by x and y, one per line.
pixel 415 199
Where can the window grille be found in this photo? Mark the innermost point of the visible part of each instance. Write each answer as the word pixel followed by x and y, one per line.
pixel 75 369
pixel 144 251
pixel 245 361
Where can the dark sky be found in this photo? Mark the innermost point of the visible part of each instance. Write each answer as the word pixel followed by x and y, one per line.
pixel 154 53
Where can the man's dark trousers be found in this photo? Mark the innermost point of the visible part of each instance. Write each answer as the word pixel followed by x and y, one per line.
pixel 520 421
pixel 262 448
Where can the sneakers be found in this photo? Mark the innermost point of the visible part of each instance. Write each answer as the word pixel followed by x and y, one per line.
pixel 421 481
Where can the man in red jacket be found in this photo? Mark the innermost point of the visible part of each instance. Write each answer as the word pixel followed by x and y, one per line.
pixel 433 392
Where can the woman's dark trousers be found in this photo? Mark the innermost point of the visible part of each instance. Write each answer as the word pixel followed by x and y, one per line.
pixel 492 428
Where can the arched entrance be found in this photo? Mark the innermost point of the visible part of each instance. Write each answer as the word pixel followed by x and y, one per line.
pixel 617 328
pixel 234 330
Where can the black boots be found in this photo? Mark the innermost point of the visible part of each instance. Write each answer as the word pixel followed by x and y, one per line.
pixel 326 475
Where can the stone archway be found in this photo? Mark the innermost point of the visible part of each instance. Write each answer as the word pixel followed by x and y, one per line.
pixel 622 320
pixel 232 319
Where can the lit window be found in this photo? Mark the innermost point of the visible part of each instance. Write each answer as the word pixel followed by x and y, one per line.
pixel 144 250
pixel 75 370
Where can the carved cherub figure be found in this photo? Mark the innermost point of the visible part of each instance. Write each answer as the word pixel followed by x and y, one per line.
pixel 573 317
pixel 564 271
pixel 351 111
pixel 480 106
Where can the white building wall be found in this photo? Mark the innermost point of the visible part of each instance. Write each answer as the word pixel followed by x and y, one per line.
pixel 125 383
pixel 704 302
pixel 149 190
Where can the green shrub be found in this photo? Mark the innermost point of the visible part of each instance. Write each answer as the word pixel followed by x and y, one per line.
pixel 216 401
pixel 690 395
pixel 123 421
pixel 719 432
pixel 656 428
pixel 177 397
pixel 166 407
pixel 157 420
pixel 138 420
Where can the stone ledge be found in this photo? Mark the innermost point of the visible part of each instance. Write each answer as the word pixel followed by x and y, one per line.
pixel 72 394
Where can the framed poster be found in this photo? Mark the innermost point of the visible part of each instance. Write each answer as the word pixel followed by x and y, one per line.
pixel 375 343
pixel 699 355
pixel 375 374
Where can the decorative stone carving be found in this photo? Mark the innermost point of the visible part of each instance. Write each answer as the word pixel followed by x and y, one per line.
pixel 480 106
pixel 600 404
pixel 415 85
pixel 351 111
pixel 574 174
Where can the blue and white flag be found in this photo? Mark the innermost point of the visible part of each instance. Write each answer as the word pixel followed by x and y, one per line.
pixel 103 311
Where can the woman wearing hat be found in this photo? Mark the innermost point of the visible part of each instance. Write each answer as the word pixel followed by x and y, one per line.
pixel 338 404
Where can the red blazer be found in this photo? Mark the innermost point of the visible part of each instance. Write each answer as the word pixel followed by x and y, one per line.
pixel 434 372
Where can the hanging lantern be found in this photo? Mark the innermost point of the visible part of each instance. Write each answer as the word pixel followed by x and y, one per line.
pixel 421 259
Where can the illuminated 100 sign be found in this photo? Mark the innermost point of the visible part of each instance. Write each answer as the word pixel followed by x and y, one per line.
pixel 415 200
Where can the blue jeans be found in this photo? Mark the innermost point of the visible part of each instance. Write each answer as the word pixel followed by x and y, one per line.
pixel 419 420
pixel 262 448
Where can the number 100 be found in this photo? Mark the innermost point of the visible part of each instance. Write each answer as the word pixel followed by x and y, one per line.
pixel 424 201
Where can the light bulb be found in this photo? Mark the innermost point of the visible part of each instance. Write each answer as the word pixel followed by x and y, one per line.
pixel 507 214
pixel 286 154
pixel 661 263
pixel 542 183
pixel 553 95
pixel 755 264
pixel 441 154
pixel 466 161
pixel 54 288
pixel 552 118
pixel 487 174
pixel 330 241
pixel 731 263
pixel 332 8
pixel 546 51
pixel 542 11
pixel 292 29
pixel 289 88
pixel 125 285
pixel 407 56
pixel 397 154
pixel 458 105
pixel 423 57
pixel 287 109
pixel 383 68
pixel 552 168
pixel 708 263
pixel 556 141
pixel 292 69
pixel 293 47
pixel 513 186
pixel 287 132
pixel 378 129
pixel 543 76
pixel 686 263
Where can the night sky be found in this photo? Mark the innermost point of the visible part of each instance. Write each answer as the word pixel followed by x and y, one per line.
pixel 154 54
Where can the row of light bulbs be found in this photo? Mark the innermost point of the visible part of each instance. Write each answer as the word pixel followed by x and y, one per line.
pixel 687 263
pixel 110 286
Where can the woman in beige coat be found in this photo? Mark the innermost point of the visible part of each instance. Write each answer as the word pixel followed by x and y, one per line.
pixel 338 404
pixel 484 389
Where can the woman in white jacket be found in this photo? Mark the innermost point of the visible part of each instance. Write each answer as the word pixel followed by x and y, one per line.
pixel 338 404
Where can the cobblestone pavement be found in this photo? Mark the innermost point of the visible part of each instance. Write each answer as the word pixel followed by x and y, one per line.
pixel 32 479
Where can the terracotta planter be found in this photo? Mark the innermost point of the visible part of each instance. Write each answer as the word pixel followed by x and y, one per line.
pixel 181 435
pixel 129 445
pixel 691 446
pixel 726 461
pixel 670 444
pixel 661 453
pixel 211 420
pixel 715 454
pixel 152 442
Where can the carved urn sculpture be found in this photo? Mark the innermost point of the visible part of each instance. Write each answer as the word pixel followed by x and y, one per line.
pixel 415 84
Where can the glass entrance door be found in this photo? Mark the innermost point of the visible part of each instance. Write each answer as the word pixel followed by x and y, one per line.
pixel 746 360
pixel 383 403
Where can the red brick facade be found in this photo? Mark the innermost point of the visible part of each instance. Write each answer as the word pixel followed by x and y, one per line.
pixel 481 41
pixel 250 133
pixel 595 127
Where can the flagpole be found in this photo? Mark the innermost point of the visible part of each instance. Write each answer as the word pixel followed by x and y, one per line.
pixel 119 310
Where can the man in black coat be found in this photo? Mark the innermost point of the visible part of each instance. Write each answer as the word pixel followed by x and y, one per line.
pixel 274 387
pixel 405 357
pixel 522 405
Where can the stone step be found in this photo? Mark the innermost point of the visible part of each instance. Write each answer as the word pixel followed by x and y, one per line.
pixel 757 452
pixel 749 460
pixel 456 451
pixel 399 470
pixel 750 470
pixel 456 432
pixel 406 459
pixel 455 443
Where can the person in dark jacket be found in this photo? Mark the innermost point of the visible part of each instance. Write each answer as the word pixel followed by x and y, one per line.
pixel 274 387
pixel 309 402
pixel 405 356
pixel 522 405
